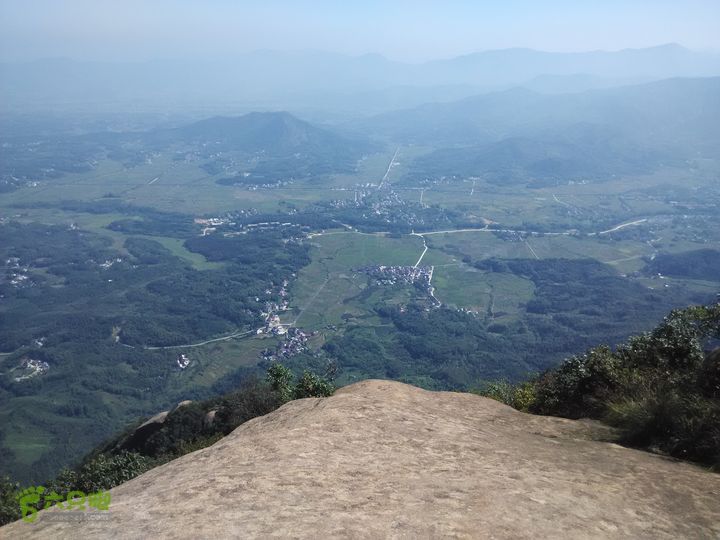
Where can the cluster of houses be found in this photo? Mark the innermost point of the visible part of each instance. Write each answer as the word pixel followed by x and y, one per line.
pixel 210 225
pixel 273 325
pixel 108 263
pixel 420 276
pixel 393 275
pixel 384 206
pixel 294 343
pixel 268 185
pixel 17 274
pixel 232 228
pixel 33 368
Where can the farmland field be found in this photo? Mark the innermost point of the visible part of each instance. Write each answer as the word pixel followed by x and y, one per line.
pixel 443 278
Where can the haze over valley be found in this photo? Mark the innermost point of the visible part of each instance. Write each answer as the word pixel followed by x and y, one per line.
pixel 173 229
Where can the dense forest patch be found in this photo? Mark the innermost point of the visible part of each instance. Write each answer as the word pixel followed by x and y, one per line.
pixel 696 264
pixel 77 314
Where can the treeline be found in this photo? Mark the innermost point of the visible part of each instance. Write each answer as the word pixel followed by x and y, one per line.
pixel 578 302
pixel 537 162
pixel 48 159
pixel 85 287
pixel 697 264
pixel 436 348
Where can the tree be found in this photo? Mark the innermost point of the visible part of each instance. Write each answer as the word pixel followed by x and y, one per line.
pixel 9 507
pixel 280 379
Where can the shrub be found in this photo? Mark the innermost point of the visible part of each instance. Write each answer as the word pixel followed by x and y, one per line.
pixel 659 388
pixel 9 508
pixel 105 472
pixel 254 399
pixel 311 385
pixel 280 379
pixel 580 385
pixel 709 376
pixel 520 397
pixel 687 427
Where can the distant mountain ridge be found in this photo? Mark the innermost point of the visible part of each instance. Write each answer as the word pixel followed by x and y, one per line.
pixel 519 136
pixel 314 80
pixel 667 108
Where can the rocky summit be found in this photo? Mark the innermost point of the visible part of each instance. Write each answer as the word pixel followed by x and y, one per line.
pixel 382 459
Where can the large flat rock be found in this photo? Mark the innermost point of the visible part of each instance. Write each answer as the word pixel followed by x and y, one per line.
pixel 382 459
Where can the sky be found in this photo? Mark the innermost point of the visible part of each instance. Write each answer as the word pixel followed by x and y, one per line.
pixel 404 30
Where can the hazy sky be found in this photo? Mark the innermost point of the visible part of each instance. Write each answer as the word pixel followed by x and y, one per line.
pixel 411 30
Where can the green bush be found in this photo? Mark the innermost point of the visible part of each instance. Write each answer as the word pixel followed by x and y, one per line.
pixel 281 378
pixel 102 473
pixel 687 427
pixel 520 396
pixel 709 376
pixel 9 507
pixel 579 386
pixel 660 388
pixel 311 385
pixel 255 398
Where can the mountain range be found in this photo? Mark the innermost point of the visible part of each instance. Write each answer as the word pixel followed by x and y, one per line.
pixel 519 136
pixel 345 85
pixel 661 111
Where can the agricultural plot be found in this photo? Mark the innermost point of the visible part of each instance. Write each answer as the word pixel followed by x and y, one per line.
pixel 491 294
pixel 331 285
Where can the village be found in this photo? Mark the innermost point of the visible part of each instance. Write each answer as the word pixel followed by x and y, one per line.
pixel 393 275
pixel 232 228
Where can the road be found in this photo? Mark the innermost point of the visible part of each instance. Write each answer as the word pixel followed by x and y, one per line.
pixel 309 302
pixel 531 250
pixel 621 226
pixel 424 250
pixel 431 288
pixel 236 334
pixel 486 229
pixel 392 161
pixel 482 229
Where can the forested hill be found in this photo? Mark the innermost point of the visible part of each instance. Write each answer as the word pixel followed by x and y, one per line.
pixel 274 133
